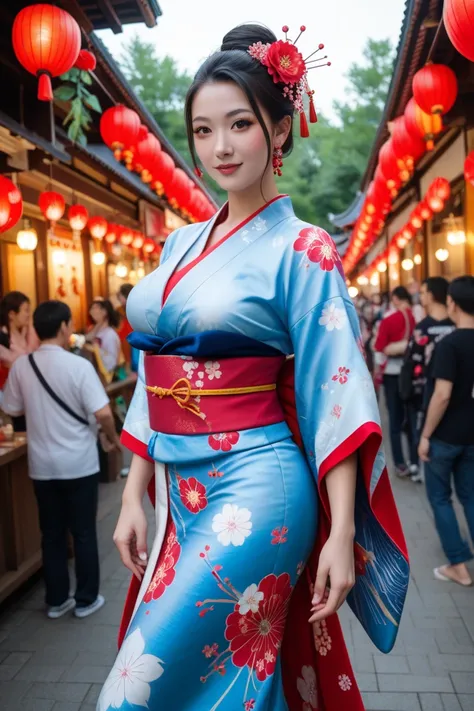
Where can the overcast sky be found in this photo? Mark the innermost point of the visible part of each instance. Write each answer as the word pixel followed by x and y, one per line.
pixel 190 30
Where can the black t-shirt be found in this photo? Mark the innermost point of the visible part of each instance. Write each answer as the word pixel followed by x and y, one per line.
pixel 428 332
pixel 454 361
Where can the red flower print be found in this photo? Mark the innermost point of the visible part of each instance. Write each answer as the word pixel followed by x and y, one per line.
pixel 249 705
pixel 336 411
pixel 341 375
pixel 165 568
pixel 319 247
pixel 192 494
pixel 284 62
pixel 279 535
pixel 255 638
pixel 210 650
pixel 224 441
pixel 215 473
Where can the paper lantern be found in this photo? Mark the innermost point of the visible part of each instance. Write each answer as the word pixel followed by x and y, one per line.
pixel 469 168
pixel 46 41
pixel 86 61
pixel 119 128
pixel 52 205
pixel 435 88
pixel 149 246
pixel 146 157
pixel 77 216
pixel 126 236
pixel 416 220
pixel 138 240
pixel 418 123
pixel 458 16
pixel 441 188
pixel 98 227
pixel 179 190
pixel 111 234
pixel 163 173
pixel 406 147
pixel 11 204
pixel 425 211
pixel 390 167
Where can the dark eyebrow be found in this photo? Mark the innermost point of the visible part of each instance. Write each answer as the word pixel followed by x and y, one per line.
pixel 229 115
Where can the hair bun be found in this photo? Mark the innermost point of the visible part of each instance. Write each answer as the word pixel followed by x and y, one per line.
pixel 243 36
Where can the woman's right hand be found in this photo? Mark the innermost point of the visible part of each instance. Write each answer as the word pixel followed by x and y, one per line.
pixel 130 537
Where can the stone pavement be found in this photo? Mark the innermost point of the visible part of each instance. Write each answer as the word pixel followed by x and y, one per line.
pixel 48 665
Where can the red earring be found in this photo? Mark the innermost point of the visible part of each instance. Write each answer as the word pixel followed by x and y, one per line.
pixel 198 172
pixel 277 161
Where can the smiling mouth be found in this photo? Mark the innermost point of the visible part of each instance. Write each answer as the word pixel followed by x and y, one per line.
pixel 229 168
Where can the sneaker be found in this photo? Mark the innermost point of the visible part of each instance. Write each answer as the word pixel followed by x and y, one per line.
pixel 402 471
pixel 418 478
pixel 90 609
pixel 55 611
pixel 124 472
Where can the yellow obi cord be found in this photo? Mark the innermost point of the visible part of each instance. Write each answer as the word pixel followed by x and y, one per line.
pixel 181 392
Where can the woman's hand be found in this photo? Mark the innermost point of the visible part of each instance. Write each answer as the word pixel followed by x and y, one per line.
pixel 130 537
pixel 335 577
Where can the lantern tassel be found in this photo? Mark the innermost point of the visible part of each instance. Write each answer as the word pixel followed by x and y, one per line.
pixel 45 90
pixel 313 117
pixel 304 130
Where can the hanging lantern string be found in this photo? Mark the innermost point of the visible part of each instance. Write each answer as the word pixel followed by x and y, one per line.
pixel 439 29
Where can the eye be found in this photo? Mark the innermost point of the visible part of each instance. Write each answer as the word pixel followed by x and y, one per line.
pixel 242 123
pixel 201 130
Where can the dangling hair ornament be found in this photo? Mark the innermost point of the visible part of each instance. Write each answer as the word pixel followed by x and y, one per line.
pixel 287 66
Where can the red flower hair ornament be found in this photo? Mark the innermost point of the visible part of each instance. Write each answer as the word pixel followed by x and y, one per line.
pixel 287 66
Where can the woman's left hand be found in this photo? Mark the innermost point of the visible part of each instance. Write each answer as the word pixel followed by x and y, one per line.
pixel 335 577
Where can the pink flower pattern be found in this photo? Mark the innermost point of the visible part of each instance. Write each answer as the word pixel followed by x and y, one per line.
pixel 341 375
pixel 224 441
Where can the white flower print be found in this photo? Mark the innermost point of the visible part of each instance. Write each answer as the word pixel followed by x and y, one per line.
pixel 131 675
pixel 322 640
pixel 190 366
pixel 344 682
pixel 250 600
pixel 307 686
pixel 259 224
pixel 278 241
pixel 233 525
pixel 213 369
pixel 333 318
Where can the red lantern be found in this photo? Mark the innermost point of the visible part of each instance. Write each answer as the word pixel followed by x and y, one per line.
pixel 77 216
pixel 149 246
pixel 179 190
pixel 425 211
pixel 435 88
pixel 458 16
pixel 46 41
pixel 119 128
pixel 391 168
pixel 98 227
pixel 406 147
pixel 126 236
pixel 441 188
pixel 111 235
pixel 52 205
pixel 138 240
pixel 469 168
pixel 416 219
pixel 11 204
pixel 408 232
pixel 146 157
pixel 86 61
pixel 418 123
pixel 163 173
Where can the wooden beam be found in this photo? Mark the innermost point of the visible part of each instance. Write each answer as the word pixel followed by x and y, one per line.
pixel 146 12
pixel 110 15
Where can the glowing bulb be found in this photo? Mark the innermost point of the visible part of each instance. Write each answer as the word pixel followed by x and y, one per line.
pixel 374 279
pixel 27 239
pixel 407 264
pixel 362 280
pixel 98 258
pixel 382 267
pixel 121 271
pixel 418 259
pixel 59 257
pixel 441 255
pixel 140 272
pixel 353 291
pixel 456 237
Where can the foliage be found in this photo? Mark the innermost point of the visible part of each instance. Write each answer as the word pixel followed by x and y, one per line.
pixel 324 171
pixel 75 91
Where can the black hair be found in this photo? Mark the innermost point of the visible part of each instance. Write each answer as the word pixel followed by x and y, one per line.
pixel 125 290
pixel 400 292
pixel 461 290
pixel 112 315
pixel 13 301
pixel 49 317
pixel 234 64
pixel 438 287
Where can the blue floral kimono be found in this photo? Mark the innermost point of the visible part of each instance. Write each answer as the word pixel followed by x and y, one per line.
pixel 220 620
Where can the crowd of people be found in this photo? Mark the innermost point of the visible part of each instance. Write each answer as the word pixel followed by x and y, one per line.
pixel 60 399
pixel 419 345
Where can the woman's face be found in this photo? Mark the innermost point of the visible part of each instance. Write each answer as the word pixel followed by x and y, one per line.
pixel 23 317
pixel 97 314
pixel 228 138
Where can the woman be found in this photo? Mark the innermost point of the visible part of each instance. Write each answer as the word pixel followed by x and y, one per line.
pixel 17 337
pixel 104 336
pixel 232 298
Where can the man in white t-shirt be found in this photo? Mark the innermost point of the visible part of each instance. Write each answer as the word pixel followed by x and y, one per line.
pixel 63 455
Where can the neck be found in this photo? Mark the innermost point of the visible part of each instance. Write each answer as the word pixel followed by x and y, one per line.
pixel 15 329
pixel 53 342
pixel 245 203
pixel 438 312
pixel 465 321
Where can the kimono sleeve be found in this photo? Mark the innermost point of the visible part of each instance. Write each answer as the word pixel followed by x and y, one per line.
pixel 338 415
pixel 136 432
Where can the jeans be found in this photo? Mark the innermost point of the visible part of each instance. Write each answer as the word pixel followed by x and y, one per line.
pixel 446 461
pixel 69 504
pixel 396 417
pixel 412 416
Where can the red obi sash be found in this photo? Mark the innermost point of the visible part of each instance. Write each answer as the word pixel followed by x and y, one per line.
pixel 182 402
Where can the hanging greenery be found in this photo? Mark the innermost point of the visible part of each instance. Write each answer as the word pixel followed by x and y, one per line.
pixel 74 90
